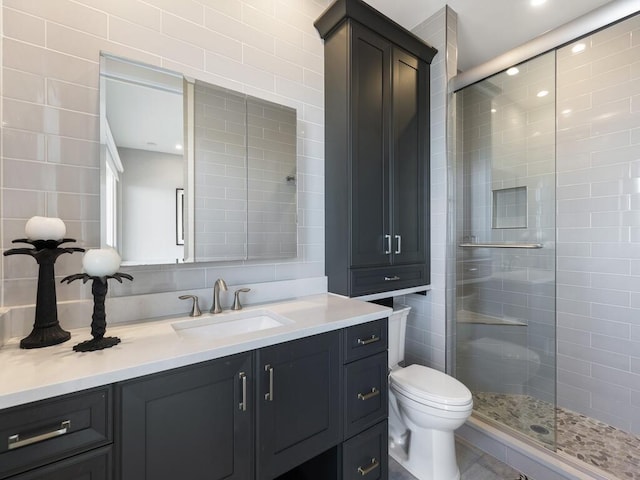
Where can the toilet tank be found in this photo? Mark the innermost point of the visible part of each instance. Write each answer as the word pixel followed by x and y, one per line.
pixel 397 331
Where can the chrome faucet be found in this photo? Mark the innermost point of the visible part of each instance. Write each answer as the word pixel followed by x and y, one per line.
pixel 220 284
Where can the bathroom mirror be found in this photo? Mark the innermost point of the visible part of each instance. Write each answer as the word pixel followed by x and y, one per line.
pixel 193 172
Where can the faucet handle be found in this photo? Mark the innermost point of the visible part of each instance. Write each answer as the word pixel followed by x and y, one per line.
pixel 195 308
pixel 236 300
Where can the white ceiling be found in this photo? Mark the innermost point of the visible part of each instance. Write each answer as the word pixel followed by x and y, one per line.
pixel 488 28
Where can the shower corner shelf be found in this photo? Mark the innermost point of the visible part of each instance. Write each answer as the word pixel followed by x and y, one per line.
pixel 467 317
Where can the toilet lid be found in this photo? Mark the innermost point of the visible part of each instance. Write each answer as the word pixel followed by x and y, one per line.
pixel 426 383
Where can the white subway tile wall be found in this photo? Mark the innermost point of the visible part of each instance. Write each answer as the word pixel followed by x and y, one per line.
pixel 598 157
pixel 426 325
pixel 50 133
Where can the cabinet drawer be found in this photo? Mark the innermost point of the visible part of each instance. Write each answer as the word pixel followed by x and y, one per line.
pixel 366 393
pixel 365 281
pixel 43 432
pixel 94 465
pixel 366 339
pixel 365 456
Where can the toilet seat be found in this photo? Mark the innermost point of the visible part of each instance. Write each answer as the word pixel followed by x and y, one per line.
pixel 431 387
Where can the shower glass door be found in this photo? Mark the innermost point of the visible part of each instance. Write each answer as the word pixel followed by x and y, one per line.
pixel 505 231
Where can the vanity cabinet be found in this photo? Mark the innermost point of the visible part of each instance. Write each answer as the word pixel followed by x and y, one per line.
pixel 307 408
pixel 194 422
pixel 376 151
pixel 298 402
pixel 197 422
pixel 48 438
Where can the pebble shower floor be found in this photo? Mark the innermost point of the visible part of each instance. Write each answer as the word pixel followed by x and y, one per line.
pixel 594 442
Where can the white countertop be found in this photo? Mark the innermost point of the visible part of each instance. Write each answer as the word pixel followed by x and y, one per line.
pixel 153 346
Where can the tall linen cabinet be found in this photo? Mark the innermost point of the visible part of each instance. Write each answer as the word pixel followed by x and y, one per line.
pixel 376 151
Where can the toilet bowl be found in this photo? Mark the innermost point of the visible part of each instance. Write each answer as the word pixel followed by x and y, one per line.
pixel 425 408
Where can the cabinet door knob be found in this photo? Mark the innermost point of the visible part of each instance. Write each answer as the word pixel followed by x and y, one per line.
pixel 398 244
pixel 370 468
pixel 388 249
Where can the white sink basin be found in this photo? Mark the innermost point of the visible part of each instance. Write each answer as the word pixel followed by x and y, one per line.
pixel 229 324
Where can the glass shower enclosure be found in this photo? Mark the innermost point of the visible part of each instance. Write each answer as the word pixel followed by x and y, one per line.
pixel 505 233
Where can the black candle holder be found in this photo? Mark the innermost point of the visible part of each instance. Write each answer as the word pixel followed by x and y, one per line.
pixel 46 328
pixel 99 289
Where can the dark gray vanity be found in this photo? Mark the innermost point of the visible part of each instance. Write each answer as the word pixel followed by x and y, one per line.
pixel 314 407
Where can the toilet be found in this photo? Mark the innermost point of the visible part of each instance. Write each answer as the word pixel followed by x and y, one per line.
pixel 425 407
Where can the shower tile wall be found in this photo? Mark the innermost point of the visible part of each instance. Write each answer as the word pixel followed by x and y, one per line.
pixel 50 163
pixel 598 158
pixel 506 296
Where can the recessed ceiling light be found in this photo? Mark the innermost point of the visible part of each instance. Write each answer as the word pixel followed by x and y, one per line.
pixel 493 110
pixel 578 47
pixel 178 146
pixel 537 3
pixel 542 93
pixel 566 111
pixel 513 71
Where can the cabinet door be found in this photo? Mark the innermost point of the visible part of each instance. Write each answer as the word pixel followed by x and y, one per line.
pixel 410 158
pixel 188 423
pixel 298 404
pixel 371 102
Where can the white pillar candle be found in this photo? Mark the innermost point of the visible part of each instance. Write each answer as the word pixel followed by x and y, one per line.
pixel 45 228
pixel 101 262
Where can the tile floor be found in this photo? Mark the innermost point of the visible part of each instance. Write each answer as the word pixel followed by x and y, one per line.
pixel 473 463
pixel 594 442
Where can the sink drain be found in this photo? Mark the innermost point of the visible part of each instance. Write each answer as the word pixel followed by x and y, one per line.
pixel 539 429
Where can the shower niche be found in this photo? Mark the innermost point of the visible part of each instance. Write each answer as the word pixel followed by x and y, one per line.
pixel 509 207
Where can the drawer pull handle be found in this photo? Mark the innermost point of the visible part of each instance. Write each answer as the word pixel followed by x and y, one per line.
pixel 269 395
pixel 395 278
pixel 243 404
pixel 15 442
pixel 367 470
pixel 366 396
pixel 373 339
